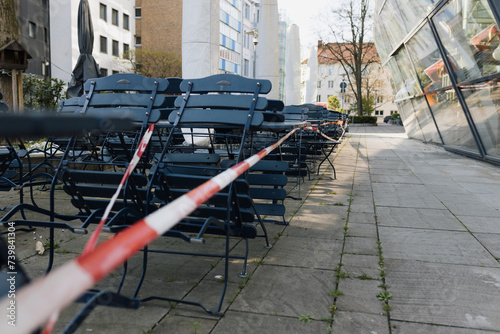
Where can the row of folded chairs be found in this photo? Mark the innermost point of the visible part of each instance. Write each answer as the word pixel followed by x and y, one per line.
pixel 201 127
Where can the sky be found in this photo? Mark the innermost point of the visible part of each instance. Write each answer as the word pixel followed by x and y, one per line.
pixel 305 14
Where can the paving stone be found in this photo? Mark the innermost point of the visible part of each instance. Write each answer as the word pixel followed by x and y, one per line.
pixel 358 265
pixel 467 205
pixel 391 172
pixel 107 320
pixel 490 242
pixel 480 224
pixel 184 325
pixel 444 294
pixel 412 179
pixel 450 188
pixel 362 206
pixel 287 291
pixel 361 246
pixel 433 246
pixel 482 188
pixel 359 296
pixel 400 327
pixel 244 322
pixel 418 218
pixel 333 230
pixel 305 252
pixel 405 195
pixel 362 230
pixel 359 323
pixel 361 218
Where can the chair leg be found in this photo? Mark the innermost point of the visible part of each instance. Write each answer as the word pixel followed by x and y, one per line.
pixel 143 274
pixel 122 280
pixel 244 273
pixel 51 250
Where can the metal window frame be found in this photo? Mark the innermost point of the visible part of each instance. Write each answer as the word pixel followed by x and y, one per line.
pixel 495 8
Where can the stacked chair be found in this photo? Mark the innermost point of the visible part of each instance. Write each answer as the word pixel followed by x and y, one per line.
pixel 215 116
pixel 202 127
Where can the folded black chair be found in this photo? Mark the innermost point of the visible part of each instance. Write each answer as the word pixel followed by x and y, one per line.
pixel 215 116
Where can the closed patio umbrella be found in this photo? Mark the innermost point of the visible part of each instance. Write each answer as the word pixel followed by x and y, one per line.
pixel 86 66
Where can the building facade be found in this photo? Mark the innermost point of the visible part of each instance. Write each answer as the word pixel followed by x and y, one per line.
pixel 443 57
pixel 158 26
pixel 331 74
pixel 114 30
pixel 238 22
pixel 34 34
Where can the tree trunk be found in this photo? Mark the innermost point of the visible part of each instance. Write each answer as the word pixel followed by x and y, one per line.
pixel 8 22
pixel 8 32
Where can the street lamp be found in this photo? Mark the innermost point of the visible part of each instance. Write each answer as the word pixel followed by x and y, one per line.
pixel 255 41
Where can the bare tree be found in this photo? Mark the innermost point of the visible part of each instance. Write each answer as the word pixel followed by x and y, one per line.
pixel 350 26
pixel 154 64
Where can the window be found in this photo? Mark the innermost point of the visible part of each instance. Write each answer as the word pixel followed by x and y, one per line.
pixel 330 83
pixel 247 11
pixel 246 67
pixel 138 40
pixel 104 44
pixel 116 72
pixel 114 17
pixel 138 13
pixel 318 98
pixel 32 30
pixel 126 51
pixel 116 48
pixel 103 12
pixel 104 72
pixel 126 22
pixel 319 84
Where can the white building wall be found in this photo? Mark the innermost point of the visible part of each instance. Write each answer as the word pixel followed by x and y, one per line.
pixel 64 35
pixel 331 76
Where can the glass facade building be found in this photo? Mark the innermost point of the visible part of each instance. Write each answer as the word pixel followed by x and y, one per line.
pixel 443 57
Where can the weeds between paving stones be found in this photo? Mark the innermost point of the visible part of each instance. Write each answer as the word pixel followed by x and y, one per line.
pixel 306 318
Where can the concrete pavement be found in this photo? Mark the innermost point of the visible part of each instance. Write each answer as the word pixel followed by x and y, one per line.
pixel 406 240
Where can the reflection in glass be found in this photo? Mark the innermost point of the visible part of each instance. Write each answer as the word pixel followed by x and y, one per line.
pixel 451 121
pixel 412 15
pixel 410 123
pixel 471 38
pixel 425 121
pixel 428 62
pixel 483 100
pixel 382 41
pixel 394 75
pixel 391 16
pixel 410 86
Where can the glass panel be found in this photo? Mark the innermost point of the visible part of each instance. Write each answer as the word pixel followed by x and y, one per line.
pixel 410 86
pixel 414 11
pixel 382 41
pixel 410 123
pixel 394 75
pixel 471 38
pixel 394 23
pixel 425 121
pixel 428 62
pixel 484 107
pixel 451 120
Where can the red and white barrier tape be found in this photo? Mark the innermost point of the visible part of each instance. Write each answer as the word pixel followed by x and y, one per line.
pixel 321 133
pixel 45 296
pixel 92 242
